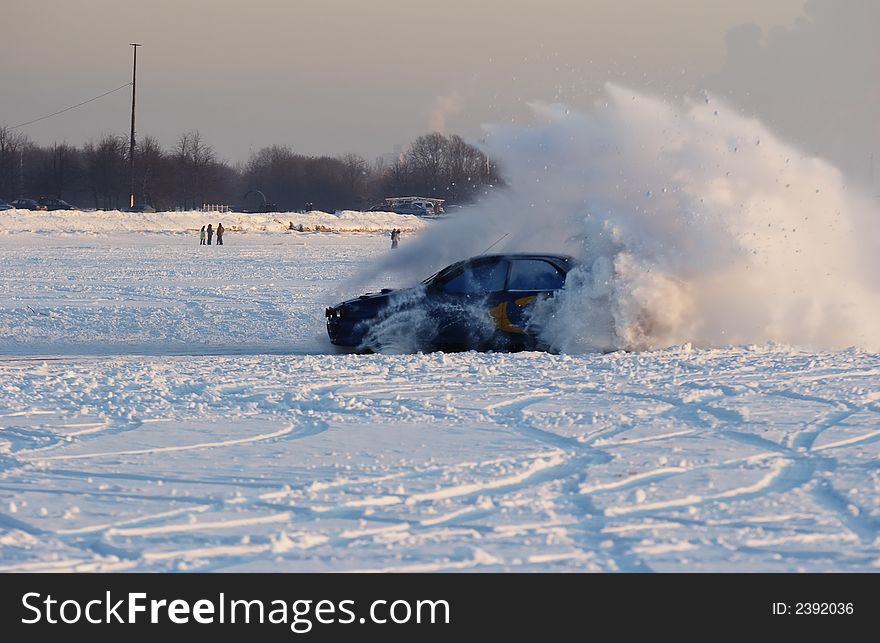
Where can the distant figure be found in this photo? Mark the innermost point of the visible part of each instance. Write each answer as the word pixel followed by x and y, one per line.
pixel 210 233
pixel 202 236
pixel 394 238
pixel 219 234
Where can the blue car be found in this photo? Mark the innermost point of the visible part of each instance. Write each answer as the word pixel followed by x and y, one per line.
pixel 482 303
pixel 415 209
pixel 51 203
pixel 26 204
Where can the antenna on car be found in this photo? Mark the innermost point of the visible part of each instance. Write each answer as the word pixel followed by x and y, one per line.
pixel 496 243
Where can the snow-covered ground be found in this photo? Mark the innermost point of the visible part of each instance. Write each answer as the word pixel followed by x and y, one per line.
pixel 162 293
pixel 170 407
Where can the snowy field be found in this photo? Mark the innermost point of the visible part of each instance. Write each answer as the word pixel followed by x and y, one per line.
pixel 162 293
pixel 166 407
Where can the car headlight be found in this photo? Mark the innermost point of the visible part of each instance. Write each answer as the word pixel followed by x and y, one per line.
pixel 337 312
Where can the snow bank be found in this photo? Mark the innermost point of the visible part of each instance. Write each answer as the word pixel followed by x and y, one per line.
pixel 12 221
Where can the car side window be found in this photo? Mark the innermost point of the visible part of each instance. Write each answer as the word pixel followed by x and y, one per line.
pixel 535 274
pixel 483 277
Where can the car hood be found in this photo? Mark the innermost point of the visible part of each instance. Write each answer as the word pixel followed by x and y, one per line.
pixel 371 303
pixel 370 299
pixel 385 293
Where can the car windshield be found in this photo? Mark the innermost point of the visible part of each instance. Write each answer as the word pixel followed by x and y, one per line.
pixel 438 276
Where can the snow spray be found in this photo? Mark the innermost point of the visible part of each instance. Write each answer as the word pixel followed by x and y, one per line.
pixel 692 224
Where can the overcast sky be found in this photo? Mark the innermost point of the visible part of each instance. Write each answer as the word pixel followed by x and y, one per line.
pixel 352 75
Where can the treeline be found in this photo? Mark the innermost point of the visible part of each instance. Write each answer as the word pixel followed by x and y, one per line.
pixel 190 174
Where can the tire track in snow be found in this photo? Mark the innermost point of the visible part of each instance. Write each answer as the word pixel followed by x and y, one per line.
pixel 865 438
pixel 190 527
pixel 583 533
pixel 170 449
pixel 511 412
pixel 803 440
pixel 541 469
pixel 853 517
pixel 784 474
pixel 64 439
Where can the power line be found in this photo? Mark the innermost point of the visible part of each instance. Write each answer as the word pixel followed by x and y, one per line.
pixel 67 109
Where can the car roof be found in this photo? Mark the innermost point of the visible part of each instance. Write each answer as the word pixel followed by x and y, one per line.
pixel 524 255
pixel 565 259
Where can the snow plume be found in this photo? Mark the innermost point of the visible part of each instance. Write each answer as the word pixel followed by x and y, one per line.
pixel 408 323
pixel 693 224
pixel 400 326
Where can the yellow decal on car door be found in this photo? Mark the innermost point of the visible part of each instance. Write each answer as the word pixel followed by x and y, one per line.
pixel 508 317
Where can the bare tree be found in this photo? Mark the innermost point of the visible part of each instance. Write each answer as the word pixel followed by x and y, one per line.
pixel 355 174
pixel 151 171
pixel 190 173
pixel 107 167
pixel 195 159
pixel 426 157
pixel 279 173
pixel 435 165
pixel 12 144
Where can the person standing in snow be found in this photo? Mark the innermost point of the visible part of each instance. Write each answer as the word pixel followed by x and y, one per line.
pixel 219 234
pixel 210 233
pixel 394 238
pixel 202 236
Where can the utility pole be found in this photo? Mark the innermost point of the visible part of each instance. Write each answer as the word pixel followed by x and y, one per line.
pixel 134 67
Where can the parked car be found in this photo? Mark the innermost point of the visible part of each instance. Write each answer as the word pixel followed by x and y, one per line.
pixel 26 204
pixel 414 208
pixel 140 208
pixel 5 206
pixel 433 207
pixel 482 303
pixel 51 203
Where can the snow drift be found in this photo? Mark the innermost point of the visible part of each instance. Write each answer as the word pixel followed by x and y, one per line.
pixel 190 221
pixel 694 224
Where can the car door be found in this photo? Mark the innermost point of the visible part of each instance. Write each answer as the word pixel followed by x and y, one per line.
pixel 463 299
pixel 529 278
